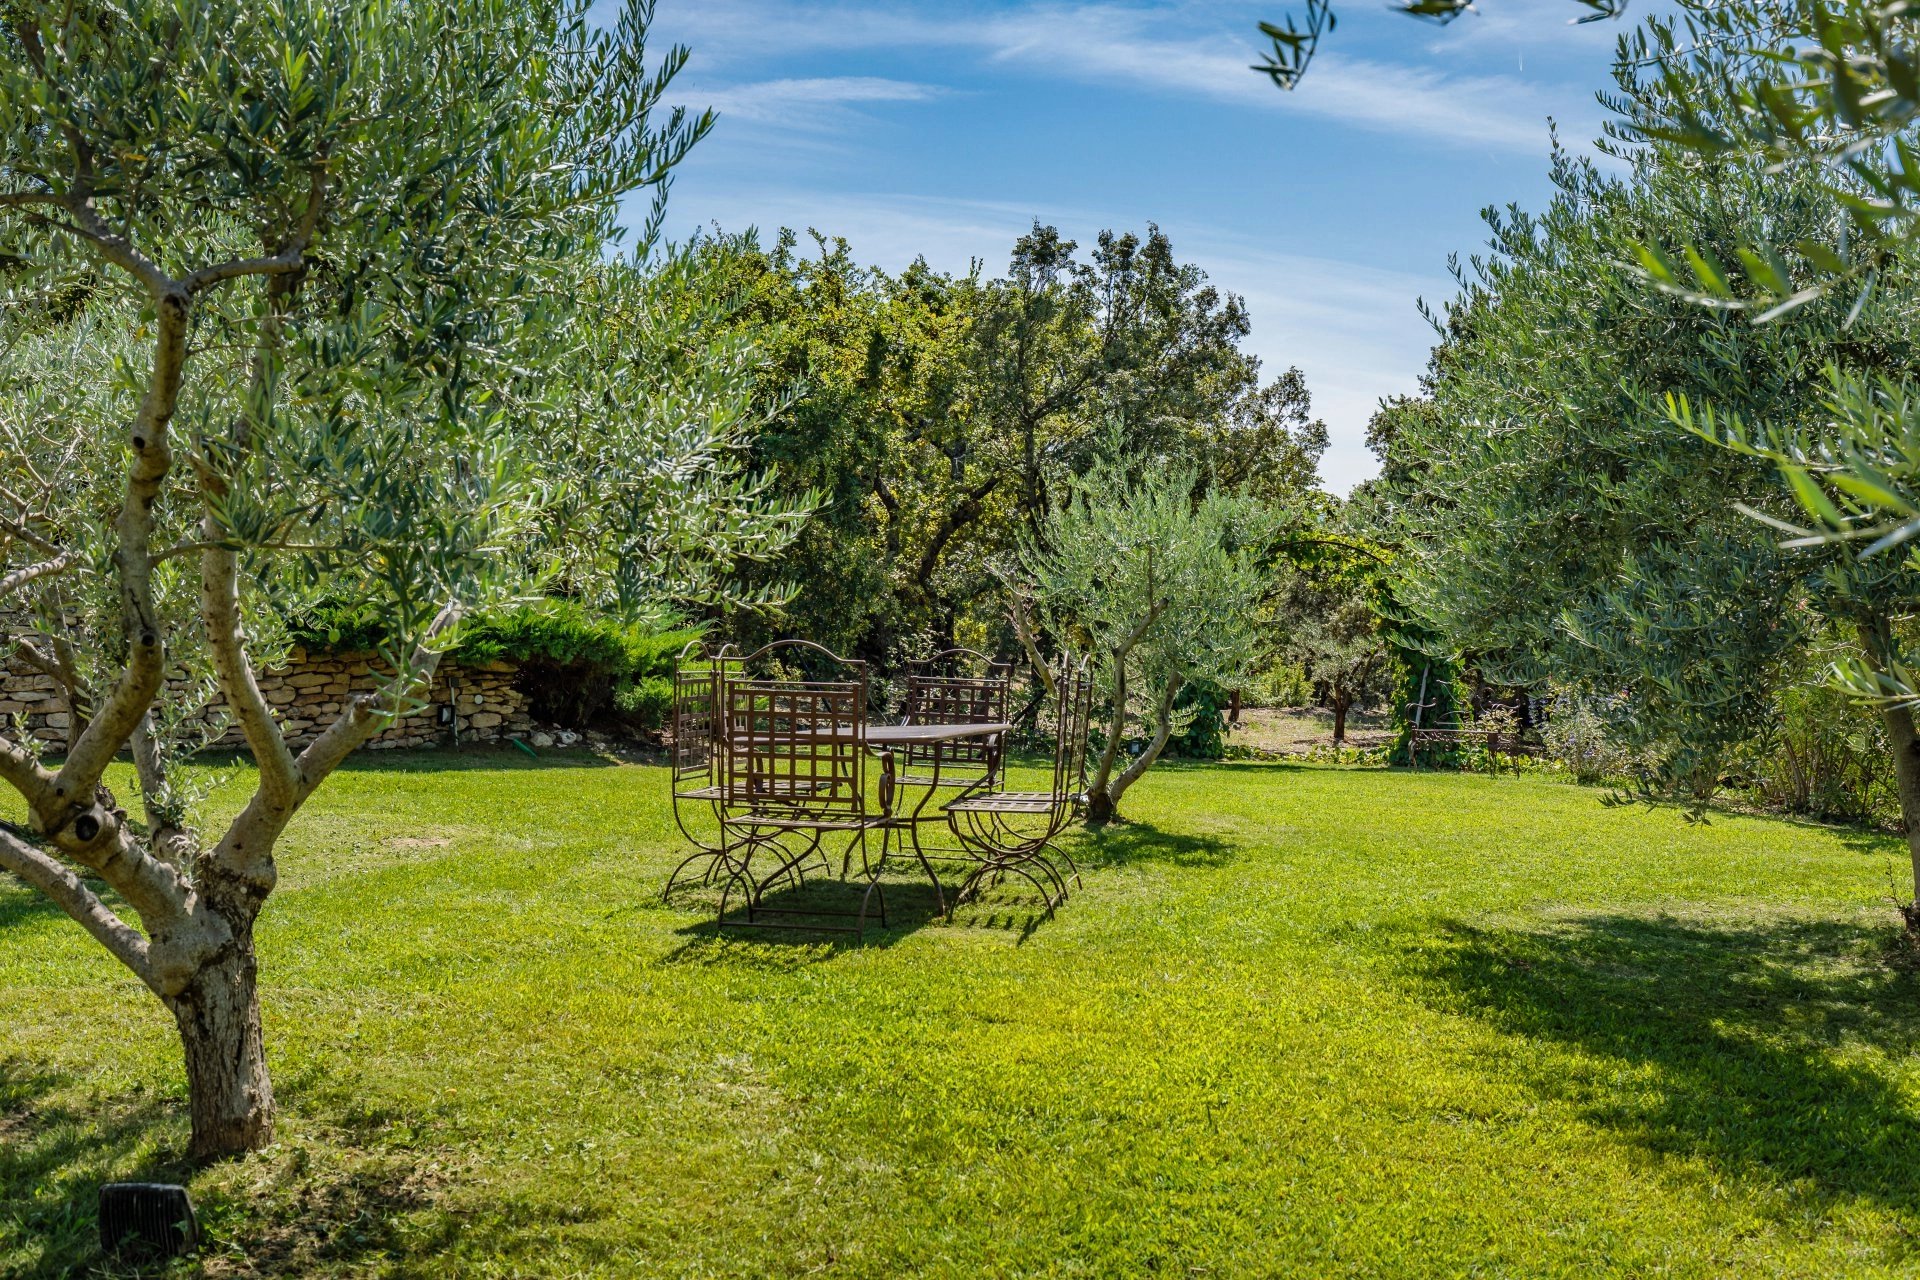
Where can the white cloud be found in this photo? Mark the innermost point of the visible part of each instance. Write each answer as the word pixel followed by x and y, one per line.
pixel 811 102
pixel 1151 48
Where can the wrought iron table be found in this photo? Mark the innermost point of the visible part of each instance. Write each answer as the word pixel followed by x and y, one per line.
pixel 930 744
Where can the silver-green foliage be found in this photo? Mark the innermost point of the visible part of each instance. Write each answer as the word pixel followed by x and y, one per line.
pixel 1161 588
pixel 317 298
pixel 1564 529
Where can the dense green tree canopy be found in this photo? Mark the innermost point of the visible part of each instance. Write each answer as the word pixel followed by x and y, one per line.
pixel 1566 528
pixel 935 415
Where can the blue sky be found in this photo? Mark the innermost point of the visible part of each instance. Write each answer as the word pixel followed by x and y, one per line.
pixel 946 128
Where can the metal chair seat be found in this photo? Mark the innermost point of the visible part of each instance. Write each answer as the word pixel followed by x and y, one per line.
pixel 786 820
pixel 1036 802
pixel 701 793
pixel 929 780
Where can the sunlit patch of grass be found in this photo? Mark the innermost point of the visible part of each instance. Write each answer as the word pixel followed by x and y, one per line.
pixel 1299 1021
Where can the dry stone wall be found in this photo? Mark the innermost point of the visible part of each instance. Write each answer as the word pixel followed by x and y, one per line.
pixel 310 691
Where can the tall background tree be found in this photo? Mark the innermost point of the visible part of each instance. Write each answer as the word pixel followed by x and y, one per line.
pixel 1567 531
pixel 940 412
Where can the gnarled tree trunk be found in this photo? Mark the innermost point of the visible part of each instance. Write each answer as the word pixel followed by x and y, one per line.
pixel 230 1095
pixel 1906 775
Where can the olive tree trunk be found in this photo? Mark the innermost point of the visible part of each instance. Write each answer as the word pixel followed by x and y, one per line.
pixel 229 1093
pixel 195 906
pixel 1905 744
pixel 1103 798
pixel 1877 640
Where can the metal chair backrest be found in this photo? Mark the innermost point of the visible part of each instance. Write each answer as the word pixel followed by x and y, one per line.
pixel 795 749
pixel 1073 690
pixel 697 676
pixel 957 686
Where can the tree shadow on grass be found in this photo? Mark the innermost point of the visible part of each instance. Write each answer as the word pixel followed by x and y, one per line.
pixel 58 1144
pixel 1760 1047
pixel 22 905
pixel 1125 843
pixel 492 756
pixel 53 1157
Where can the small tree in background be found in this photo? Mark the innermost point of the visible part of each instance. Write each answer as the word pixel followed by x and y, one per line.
pixel 1161 588
pixel 314 298
pixel 1333 631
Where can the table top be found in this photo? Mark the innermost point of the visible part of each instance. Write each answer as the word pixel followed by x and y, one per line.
pixel 896 735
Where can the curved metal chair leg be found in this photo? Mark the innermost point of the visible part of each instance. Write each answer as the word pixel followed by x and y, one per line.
pixel 712 860
pixel 968 888
pixel 1052 873
pixel 1045 897
pixel 1048 844
pixel 720 918
pixel 873 880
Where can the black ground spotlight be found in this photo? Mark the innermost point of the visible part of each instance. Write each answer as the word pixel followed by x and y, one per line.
pixel 153 1218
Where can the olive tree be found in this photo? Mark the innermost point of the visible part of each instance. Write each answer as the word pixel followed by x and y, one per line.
pixel 1160 587
pixel 297 295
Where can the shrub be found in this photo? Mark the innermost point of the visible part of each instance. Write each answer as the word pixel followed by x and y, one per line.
pixel 1284 684
pixel 1205 735
pixel 1824 760
pixel 577 668
pixel 1580 736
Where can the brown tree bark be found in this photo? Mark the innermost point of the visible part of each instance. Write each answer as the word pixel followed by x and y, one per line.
pixel 1341 704
pixel 1162 733
pixel 229 1093
pixel 1906 773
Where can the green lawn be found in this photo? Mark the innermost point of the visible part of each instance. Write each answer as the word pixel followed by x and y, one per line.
pixel 1300 1021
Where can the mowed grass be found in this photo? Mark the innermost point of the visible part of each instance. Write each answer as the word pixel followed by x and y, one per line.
pixel 1300 1021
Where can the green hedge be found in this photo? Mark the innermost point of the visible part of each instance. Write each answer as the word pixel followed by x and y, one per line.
pixel 577 668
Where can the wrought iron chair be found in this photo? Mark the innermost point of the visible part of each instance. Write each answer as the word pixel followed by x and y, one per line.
pixel 794 770
pixel 698 675
pixel 1013 832
pixel 955 686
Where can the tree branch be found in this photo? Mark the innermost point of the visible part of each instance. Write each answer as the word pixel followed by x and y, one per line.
pixel 23 771
pixel 220 612
pixel 1116 726
pixel 963 514
pixel 24 533
pixel 291 256
pixel 33 572
pixel 127 704
pixel 25 199
pixel 245 852
pixel 1163 731
pixel 72 896
pixel 278 265
pixel 363 717
pixel 1023 628
pixel 116 249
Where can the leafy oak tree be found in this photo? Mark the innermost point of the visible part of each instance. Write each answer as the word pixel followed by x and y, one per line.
pixel 310 294
pixel 939 410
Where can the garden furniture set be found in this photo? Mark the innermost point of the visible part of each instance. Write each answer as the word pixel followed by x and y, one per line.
pixel 775 767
